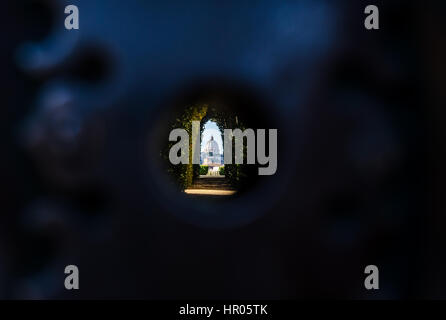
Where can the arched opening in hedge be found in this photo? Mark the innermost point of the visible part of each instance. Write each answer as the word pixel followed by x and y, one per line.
pixel 237 177
pixel 211 151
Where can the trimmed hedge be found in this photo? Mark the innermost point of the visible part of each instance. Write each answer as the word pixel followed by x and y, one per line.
pixel 236 174
pixel 204 170
pixel 185 173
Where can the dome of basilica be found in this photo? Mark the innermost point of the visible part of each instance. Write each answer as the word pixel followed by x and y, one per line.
pixel 211 147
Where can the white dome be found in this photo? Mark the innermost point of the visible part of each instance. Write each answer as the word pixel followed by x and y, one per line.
pixel 212 146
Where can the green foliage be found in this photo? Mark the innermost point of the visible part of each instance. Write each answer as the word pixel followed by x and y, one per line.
pixel 204 170
pixel 197 170
pixel 236 174
pixel 226 119
pixel 185 173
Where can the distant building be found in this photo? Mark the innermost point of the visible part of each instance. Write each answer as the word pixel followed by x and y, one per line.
pixel 211 154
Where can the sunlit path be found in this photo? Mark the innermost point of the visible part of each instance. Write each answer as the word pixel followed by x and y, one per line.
pixel 211 185
pixel 211 192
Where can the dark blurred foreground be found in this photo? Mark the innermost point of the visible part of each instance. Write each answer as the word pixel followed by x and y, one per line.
pixel 360 175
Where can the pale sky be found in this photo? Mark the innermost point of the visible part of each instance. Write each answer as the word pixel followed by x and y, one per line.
pixel 211 129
